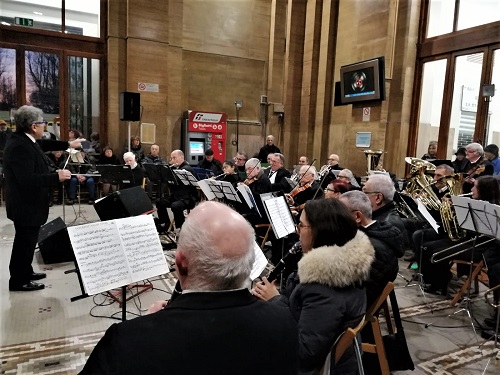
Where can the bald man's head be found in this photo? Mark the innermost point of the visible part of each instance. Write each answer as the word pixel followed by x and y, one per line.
pixel 215 250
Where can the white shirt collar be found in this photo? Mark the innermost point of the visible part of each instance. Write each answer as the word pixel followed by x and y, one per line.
pixel 31 137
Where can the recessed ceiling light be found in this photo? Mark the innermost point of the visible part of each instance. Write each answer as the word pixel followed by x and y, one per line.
pixel 5 23
pixel 38 13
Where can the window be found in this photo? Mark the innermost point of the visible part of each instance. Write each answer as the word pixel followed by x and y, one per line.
pixel 8 92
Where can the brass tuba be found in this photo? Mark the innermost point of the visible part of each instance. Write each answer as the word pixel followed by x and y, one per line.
pixel 373 159
pixel 419 184
pixel 454 184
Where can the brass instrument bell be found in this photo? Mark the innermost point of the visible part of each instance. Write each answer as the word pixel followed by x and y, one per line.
pixel 373 159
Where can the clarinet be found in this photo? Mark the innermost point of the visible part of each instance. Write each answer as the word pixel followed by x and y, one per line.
pixel 289 260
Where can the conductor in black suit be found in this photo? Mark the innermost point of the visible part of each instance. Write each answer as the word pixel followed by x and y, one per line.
pixel 28 181
pixel 277 173
pixel 215 326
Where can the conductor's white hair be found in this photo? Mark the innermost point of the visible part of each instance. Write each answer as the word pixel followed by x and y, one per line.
pixel 208 268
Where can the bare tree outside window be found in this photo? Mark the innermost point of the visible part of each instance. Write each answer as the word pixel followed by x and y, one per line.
pixel 42 76
pixel 7 79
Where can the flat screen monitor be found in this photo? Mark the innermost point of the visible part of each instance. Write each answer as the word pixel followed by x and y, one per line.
pixel 363 81
pixel 196 148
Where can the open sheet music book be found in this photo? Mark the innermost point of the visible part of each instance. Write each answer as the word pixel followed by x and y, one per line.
pixel 218 189
pixel 186 177
pixel 280 216
pixel 260 262
pixel 114 253
pixel 425 213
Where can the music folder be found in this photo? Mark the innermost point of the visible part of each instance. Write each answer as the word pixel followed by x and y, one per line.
pixel 218 189
pixel 279 215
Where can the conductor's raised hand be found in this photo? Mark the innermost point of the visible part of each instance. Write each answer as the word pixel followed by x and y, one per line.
pixel 77 143
pixel 265 290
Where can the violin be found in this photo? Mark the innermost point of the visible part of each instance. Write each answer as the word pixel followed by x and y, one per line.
pixel 249 181
pixel 299 189
pixel 474 172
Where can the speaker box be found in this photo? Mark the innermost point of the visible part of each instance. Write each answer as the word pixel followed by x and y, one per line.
pixel 54 243
pixel 130 106
pixel 123 203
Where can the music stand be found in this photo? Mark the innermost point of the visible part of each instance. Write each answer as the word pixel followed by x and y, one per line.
pixel 186 177
pixel 222 190
pixel 478 217
pixel 167 175
pixel 154 173
pixel 79 162
pixel 203 173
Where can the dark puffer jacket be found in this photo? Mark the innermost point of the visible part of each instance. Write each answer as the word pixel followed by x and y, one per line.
pixel 388 243
pixel 328 299
pixel 390 213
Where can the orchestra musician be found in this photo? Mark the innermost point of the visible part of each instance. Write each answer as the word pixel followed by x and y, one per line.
pixel 229 174
pixel 182 197
pixel 331 165
pixel 240 159
pixel 259 184
pixel 480 166
pixel 307 188
pixel 277 173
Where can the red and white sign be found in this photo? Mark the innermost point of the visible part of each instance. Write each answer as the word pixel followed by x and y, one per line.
pixel 148 87
pixel 366 113
pixel 209 122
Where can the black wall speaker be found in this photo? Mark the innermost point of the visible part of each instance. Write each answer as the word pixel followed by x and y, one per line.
pixel 54 243
pixel 123 203
pixel 130 106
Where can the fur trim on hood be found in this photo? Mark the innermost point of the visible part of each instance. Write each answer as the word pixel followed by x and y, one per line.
pixel 338 266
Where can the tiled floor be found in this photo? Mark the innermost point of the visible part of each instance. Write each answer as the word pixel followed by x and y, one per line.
pixel 44 332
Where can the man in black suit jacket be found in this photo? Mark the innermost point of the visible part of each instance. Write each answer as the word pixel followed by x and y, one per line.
pixel 182 197
pixel 215 326
pixel 28 181
pixel 277 173
pixel 479 165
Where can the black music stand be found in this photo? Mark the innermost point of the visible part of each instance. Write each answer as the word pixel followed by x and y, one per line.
pixel 472 215
pixel 78 164
pixel 222 190
pixel 153 171
pixel 203 173
pixel 111 173
pixel 186 177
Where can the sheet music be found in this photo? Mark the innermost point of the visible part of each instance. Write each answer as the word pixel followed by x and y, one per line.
pixel 113 253
pixel 260 262
pixel 279 216
pixel 186 177
pixel 229 191
pixel 245 191
pixel 477 216
pixel 427 215
pixel 210 189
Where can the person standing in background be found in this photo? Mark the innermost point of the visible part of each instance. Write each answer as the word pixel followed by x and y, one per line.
pixel 268 148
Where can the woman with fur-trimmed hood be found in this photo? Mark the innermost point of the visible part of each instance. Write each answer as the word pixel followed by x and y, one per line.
pixel 326 294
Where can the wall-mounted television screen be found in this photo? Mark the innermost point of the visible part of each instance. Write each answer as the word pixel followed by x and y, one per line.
pixel 363 81
pixel 196 148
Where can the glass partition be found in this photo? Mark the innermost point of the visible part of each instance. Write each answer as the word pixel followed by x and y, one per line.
pixel 477 12
pixel 465 100
pixel 433 74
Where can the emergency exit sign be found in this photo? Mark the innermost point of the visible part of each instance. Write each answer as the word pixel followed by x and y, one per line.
pixel 24 21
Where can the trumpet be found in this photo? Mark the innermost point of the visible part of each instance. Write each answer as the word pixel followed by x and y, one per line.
pixel 325 169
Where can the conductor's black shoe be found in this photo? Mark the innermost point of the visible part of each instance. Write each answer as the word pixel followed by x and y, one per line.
pixel 38 276
pixel 28 287
pixel 91 202
pixel 70 201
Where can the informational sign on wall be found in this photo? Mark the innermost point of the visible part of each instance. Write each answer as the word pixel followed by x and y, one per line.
pixel 366 113
pixel 363 139
pixel 148 87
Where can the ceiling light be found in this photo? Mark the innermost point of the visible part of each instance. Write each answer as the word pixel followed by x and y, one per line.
pixel 38 13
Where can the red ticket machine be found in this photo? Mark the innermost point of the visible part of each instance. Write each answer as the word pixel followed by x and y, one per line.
pixel 201 131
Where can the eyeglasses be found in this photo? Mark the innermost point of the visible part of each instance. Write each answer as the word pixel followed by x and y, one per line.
pixel 332 159
pixel 371 192
pixel 333 191
pixel 301 226
pixel 241 159
pixel 37 123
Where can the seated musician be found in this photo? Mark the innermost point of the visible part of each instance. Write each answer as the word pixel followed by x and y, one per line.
pixel 331 165
pixel 387 240
pixel 461 164
pixel 308 188
pixel 480 166
pixel 277 173
pixel 348 177
pixel 153 158
pixel 326 294
pixel 380 190
pixel 491 153
pixel 79 176
pixel 336 188
pixel 259 184
pixel 182 197
pixel 138 173
pixel 108 158
pixel 240 159
pixel 229 175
